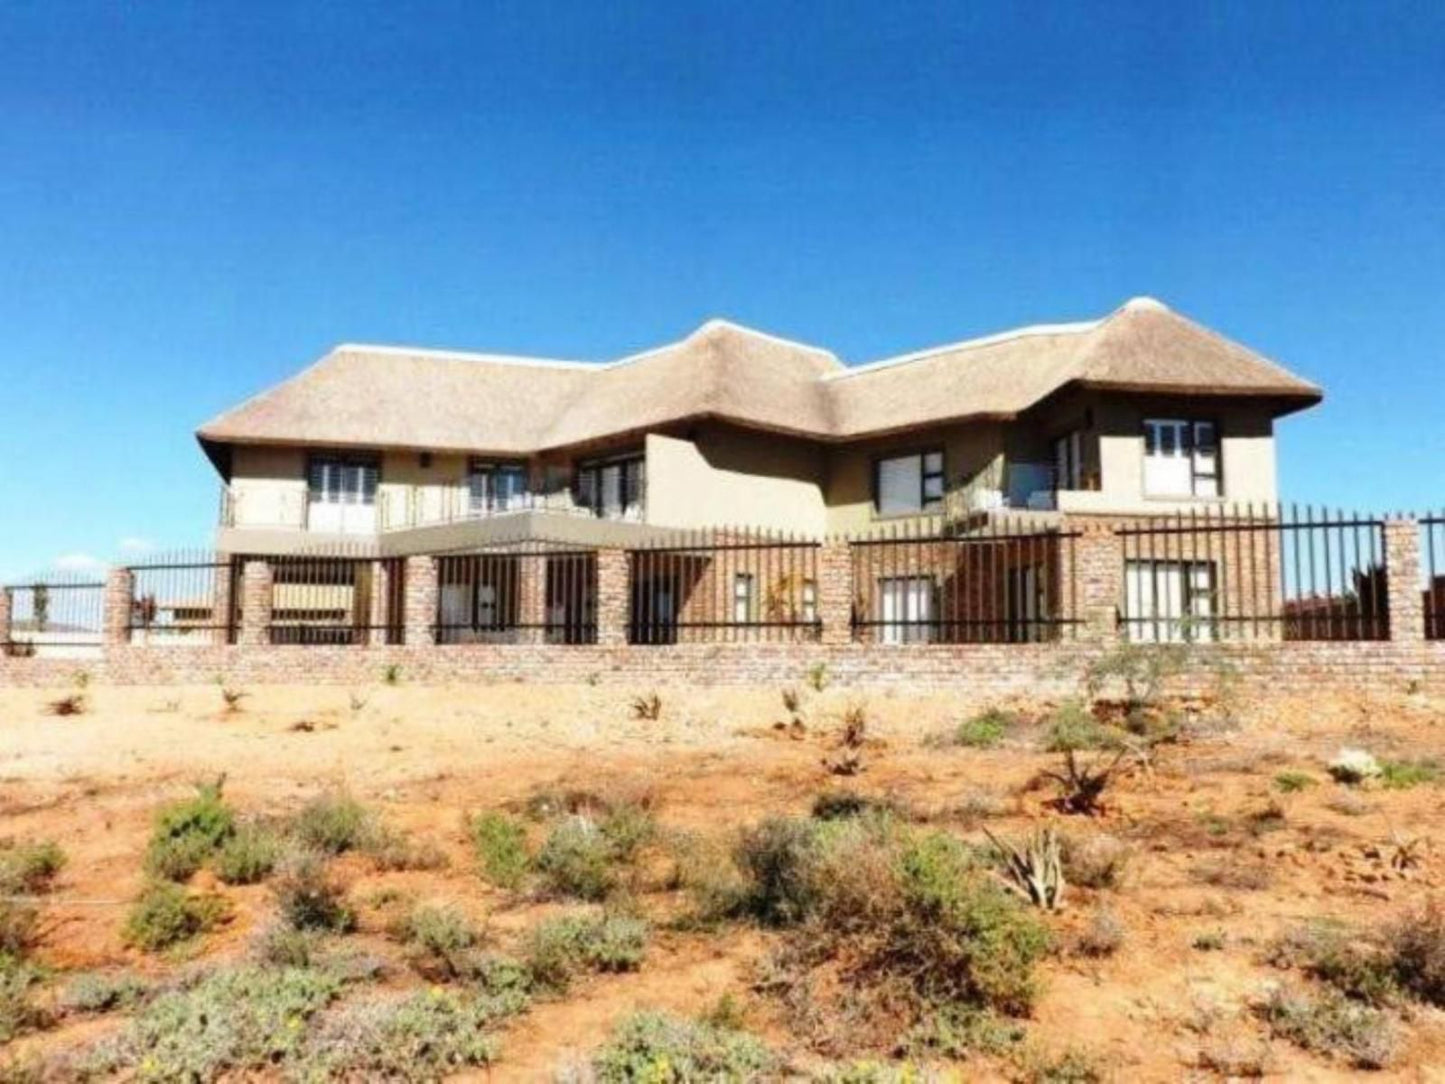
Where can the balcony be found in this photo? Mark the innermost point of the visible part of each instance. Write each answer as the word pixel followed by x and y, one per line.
pixel 269 508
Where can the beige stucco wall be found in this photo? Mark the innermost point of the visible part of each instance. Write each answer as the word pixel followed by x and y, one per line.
pixel 726 476
pixel 268 486
pixel 410 494
pixel 967 449
pixel 1247 456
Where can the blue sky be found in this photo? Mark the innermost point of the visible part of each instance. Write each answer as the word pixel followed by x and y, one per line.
pixel 198 199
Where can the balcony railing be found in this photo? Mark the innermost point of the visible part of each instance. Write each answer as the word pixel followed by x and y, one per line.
pixel 268 509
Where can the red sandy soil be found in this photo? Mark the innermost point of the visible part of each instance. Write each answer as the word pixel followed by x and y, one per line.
pixel 714 760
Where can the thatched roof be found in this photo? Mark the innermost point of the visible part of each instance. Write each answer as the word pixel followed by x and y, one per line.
pixel 386 397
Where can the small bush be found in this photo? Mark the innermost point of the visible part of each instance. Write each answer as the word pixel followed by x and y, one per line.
pixel 285 946
pixel 577 860
pixel 73 704
pixel 1292 782
pixel 1332 953
pixel 308 897
pixel 18 922
pixel 648 708
pixel 103 991
pixel 249 856
pixel 188 832
pixel 1096 861
pixel 1353 767
pixel 1103 936
pixel 1404 774
pixel 1334 1026
pixel 1069 1067
pixel 333 823
pixel 562 947
pixel 29 868
pixel 777 858
pixel 232 698
pixel 166 915
pixel 239 1022
pixel 1416 950
pixel 818 678
pixel 706 870
pixel 440 939
pixel 628 827
pixel 656 1047
pixel 1072 729
pixel 835 805
pixel 419 1037
pixel 391 849
pixel 19 1013
pixel 500 843
pixel 983 731
pixel 1209 941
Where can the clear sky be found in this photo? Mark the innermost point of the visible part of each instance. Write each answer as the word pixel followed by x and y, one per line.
pixel 198 199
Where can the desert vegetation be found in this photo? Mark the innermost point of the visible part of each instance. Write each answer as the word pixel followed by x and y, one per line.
pixel 1121 885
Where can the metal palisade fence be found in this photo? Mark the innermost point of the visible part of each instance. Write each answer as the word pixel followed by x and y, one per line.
pixel 185 598
pixel 1432 563
pixel 60 614
pixel 724 586
pixel 1255 572
pixel 517 592
pixel 1010 579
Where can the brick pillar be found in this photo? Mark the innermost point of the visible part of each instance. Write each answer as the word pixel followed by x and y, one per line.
pixel 4 618
pixel 221 601
pixel 257 588
pixel 531 597
pixel 119 588
pixel 614 607
pixel 835 591
pixel 421 601
pixel 1402 566
pixel 1093 581
pixel 380 615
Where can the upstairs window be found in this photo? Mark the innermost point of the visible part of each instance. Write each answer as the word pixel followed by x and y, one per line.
pixel 1069 461
pixel 614 488
pixel 496 487
pixel 1181 458
pixel 342 479
pixel 908 483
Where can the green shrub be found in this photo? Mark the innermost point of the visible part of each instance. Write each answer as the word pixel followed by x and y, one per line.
pixel 333 823
pixel 29 868
pixel 423 1036
pixel 777 859
pixel 188 832
pixel 440 938
pixel 285 946
pixel 239 1022
pixel 17 930
pixel 1291 782
pixel 249 856
pixel 500 843
pixel 103 991
pixel 392 849
pixel 705 868
pixel 1404 774
pixel 1072 728
pixel 19 1013
pixel 983 731
pixel 628 827
pixel 664 1049
pixel 560 948
pixel 166 915
pixel 577 860
pixel 833 805
pixel 1415 946
pixel 1068 1067
pixel 308 897
pixel 1335 954
pixel 1334 1026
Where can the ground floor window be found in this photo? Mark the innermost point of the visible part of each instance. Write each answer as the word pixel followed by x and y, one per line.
pixel 1169 601
pixel 908 606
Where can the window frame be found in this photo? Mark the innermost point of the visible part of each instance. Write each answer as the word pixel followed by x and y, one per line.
pixel 631 463
pixel 1185 443
pixel 364 495
pixel 745 598
pixel 489 469
pixel 926 505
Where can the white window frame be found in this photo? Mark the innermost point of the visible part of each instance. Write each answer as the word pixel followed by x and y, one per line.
pixel 483 492
pixel 1182 458
pixel 907 608
pixel 1153 615
pixel 745 598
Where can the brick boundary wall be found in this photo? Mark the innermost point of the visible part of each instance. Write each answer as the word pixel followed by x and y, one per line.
pixel 1405 661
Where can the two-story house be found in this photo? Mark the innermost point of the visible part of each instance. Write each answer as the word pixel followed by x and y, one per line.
pixel 1138 413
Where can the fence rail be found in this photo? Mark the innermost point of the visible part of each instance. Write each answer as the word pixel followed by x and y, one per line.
pixel 61 615
pixel 185 599
pixel 724 587
pixel 1255 573
pixel 1011 580
pixel 1432 564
